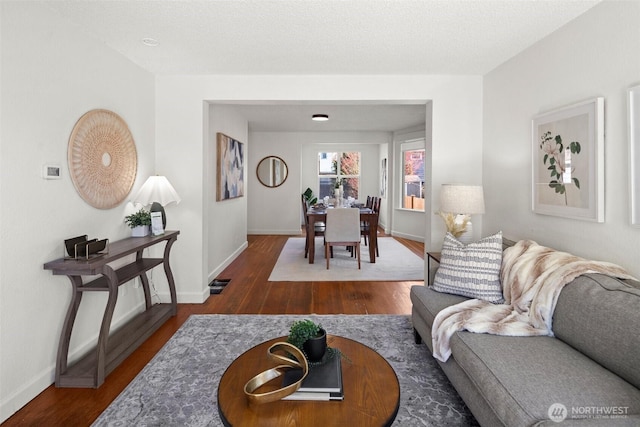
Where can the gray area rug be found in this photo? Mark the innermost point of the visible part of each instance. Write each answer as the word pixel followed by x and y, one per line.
pixel 179 385
pixel 395 263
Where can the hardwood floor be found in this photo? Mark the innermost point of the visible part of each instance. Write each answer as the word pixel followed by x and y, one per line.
pixel 249 292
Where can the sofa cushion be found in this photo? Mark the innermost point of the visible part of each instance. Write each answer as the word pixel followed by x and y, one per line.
pixel 471 270
pixel 521 377
pixel 600 317
pixel 428 302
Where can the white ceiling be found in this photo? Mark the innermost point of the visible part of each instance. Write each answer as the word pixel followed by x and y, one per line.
pixel 365 116
pixel 462 37
pixel 321 36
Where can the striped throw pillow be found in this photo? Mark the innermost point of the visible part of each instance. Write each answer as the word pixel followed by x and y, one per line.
pixel 473 270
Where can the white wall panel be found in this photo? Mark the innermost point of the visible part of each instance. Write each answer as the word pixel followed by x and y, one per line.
pixel 594 55
pixel 53 73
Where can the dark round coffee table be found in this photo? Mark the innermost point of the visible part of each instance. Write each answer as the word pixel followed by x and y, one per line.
pixel 371 392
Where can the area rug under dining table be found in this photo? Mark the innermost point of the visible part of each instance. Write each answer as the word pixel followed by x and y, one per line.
pixel 179 385
pixel 395 263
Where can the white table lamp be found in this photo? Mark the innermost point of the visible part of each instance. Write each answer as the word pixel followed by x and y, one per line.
pixel 457 204
pixel 158 192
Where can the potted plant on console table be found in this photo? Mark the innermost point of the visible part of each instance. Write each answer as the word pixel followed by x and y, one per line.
pixel 139 223
pixel 310 338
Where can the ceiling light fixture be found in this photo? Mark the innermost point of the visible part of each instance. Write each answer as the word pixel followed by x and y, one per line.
pixel 148 41
pixel 320 117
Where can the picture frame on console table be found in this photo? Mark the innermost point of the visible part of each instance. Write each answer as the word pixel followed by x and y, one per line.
pixel 634 153
pixel 568 161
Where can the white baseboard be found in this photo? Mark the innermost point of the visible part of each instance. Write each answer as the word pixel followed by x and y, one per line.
pixel 12 404
pixel 295 232
pixel 408 236
pixel 213 274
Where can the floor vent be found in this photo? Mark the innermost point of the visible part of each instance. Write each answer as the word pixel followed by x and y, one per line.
pixel 218 285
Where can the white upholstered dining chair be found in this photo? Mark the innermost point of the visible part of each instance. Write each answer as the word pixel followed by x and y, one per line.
pixel 342 228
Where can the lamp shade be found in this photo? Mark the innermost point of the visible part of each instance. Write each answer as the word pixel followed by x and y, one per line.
pixel 157 189
pixel 462 199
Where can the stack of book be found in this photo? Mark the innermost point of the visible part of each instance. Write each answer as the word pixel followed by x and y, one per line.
pixel 324 381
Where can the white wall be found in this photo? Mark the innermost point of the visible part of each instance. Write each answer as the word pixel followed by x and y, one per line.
pixel 226 220
pixel 407 223
pixel 384 220
pixel 456 158
pixel 595 55
pixel 182 120
pixel 275 210
pixel 366 143
pixel 278 210
pixel 51 75
pixel 457 118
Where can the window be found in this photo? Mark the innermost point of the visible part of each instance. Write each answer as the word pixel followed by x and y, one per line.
pixel 413 161
pixel 339 167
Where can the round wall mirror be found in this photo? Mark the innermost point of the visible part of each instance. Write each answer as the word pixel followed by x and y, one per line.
pixel 272 171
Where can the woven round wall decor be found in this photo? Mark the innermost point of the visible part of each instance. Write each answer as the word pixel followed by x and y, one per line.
pixel 102 158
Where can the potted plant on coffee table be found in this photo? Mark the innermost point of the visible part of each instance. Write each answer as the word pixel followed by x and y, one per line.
pixel 310 338
pixel 139 223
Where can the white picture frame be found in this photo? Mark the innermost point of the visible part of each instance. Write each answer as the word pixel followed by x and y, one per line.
pixel 568 161
pixel 383 178
pixel 157 228
pixel 634 153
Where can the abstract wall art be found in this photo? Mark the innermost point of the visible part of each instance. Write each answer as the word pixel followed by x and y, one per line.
pixel 230 170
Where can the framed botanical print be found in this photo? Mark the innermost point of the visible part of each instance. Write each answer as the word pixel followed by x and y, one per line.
pixel 634 153
pixel 383 178
pixel 230 168
pixel 568 161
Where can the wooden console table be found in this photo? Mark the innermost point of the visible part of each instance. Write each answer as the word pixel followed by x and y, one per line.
pixel 111 350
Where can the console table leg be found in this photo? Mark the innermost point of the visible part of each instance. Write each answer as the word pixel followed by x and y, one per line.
pixel 147 291
pixel 103 339
pixel 145 284
pixel 65 335
pixel 167 271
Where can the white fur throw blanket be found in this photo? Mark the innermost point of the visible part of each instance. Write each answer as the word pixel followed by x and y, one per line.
pixel 532 277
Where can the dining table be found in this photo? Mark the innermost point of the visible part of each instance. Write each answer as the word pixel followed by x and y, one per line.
pixel 320 215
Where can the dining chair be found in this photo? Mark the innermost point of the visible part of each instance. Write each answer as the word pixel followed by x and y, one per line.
pixel 376 210
pixel 319 227
pixel 374 204
pixel 364 225
pixel 342 229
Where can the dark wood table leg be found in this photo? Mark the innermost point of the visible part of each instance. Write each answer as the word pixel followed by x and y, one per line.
pixel 144 280
pixel 65 335
pixel 169 274
pixel 311 238
pixel 373 237
pixel 103 338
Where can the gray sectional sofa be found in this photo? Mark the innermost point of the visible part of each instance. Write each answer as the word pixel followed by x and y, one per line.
pixel 587 374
